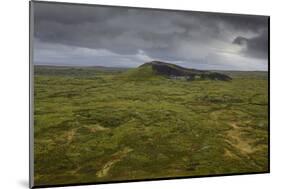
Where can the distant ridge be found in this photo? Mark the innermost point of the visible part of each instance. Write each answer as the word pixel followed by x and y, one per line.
pixel 173 71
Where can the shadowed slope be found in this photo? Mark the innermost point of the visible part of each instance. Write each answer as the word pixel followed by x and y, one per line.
pixel 157 69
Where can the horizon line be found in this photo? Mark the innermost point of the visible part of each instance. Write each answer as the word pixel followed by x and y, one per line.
pixel 88 66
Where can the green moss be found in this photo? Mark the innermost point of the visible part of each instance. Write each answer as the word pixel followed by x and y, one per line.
pixel 174 128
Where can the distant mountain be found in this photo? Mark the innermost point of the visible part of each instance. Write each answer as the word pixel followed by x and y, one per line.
pixel 172 71
pixel 81 71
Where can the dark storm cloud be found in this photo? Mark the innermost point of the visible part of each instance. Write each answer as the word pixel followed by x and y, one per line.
pixel 255 46
pixel 174 36
pixel 122 30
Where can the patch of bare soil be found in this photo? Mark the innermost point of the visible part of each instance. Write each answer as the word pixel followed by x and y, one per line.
pixel 230 154
pixel 70 135
pixel 234 136
pixel 97 128
pixel 118 156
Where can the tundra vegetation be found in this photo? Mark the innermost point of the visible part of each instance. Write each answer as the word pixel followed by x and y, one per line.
pixel 96 124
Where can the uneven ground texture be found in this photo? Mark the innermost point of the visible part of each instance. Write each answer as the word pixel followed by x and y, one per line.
pixel 104 125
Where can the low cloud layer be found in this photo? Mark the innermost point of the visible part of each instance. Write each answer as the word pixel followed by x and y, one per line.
pixel 121 37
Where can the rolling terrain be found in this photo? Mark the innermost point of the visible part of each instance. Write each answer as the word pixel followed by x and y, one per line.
pixel 157 69
pixel 156 121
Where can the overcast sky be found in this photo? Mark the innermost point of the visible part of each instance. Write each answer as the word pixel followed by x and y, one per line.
pixel 127 37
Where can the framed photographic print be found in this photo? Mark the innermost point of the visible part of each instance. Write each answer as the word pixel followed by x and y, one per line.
pixel 121 94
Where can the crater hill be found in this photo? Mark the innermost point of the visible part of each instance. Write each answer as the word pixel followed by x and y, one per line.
pixel 156 69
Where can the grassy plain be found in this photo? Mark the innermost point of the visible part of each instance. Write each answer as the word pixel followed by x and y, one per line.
pixel 96 125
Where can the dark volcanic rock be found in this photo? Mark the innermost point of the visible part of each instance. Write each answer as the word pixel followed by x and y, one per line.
pixel 178 72
pixel 217 76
